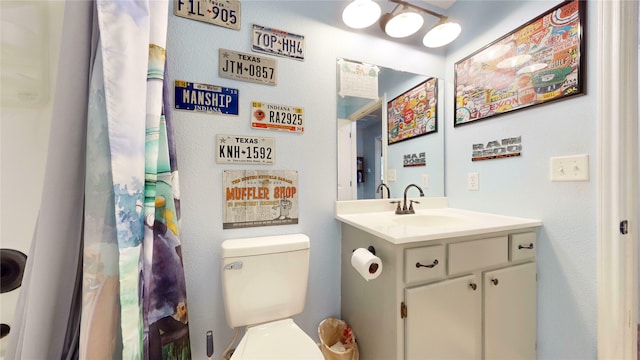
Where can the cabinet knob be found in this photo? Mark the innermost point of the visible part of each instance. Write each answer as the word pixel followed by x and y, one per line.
pixel 473 286
pixel 495 281
pixel 435 262
pixel 530 246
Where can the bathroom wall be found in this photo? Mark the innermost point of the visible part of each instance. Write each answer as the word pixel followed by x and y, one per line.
pixel 516 186
pixel 520 186
pixel 192 52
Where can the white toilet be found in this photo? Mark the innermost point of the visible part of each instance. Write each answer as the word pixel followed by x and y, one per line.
pixel 264 283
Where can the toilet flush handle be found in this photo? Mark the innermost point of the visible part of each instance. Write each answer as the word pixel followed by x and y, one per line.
pixel 236 265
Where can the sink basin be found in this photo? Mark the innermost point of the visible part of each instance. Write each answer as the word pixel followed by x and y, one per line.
pixel 431 221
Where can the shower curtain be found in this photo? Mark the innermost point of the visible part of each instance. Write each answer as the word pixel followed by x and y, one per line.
pixel 105 277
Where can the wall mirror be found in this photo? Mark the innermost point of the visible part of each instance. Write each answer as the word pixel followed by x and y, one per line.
pixel 365 159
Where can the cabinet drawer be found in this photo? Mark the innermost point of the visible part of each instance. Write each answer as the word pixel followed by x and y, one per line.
pixel 424 263
pixel 477 254
pixel 522 246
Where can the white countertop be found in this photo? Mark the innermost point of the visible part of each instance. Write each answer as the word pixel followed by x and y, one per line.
pixel 430 222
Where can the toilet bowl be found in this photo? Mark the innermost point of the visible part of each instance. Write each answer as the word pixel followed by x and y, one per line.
pixel 264 283
pixel 281 339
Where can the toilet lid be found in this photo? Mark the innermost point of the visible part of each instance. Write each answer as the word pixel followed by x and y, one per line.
pixel 281 339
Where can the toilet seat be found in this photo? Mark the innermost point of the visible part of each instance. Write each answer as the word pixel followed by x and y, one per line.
pixel 281 339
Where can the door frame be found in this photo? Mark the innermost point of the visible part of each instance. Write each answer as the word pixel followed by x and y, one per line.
pixel 617 179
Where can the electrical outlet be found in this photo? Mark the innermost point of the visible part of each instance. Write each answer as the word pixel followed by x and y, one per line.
pixel 425 181
pixel 391 175
pixel 570 168
pixel 473 181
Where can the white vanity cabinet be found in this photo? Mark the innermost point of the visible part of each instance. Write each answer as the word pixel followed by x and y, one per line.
pixel 465 297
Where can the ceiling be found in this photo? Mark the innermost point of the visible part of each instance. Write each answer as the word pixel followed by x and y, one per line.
pixel 442 4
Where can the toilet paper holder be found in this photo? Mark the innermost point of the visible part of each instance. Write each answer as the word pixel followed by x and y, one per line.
pixel 370 248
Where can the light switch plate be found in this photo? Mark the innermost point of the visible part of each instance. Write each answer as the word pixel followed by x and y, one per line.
pixel 425 181
pixel 570 168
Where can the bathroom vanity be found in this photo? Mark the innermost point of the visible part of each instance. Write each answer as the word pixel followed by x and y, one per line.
pixel 455 284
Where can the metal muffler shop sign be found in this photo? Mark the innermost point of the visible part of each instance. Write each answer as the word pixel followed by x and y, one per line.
pixel 259 198
pixel 508 147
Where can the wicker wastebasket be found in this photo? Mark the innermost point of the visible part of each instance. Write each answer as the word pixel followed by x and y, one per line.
pixel 337 340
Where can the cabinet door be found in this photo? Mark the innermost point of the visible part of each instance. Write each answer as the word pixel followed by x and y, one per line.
pixel 510 313
pixel 444 320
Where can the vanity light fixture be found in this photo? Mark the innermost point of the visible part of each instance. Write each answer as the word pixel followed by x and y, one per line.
pixel 361 14
pixel 403 21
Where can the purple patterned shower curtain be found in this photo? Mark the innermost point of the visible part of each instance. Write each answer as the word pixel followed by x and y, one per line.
pixel 134 293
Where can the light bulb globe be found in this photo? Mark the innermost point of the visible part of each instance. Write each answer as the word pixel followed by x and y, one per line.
pixel 361 14
pixel 403 24
pixel 442 34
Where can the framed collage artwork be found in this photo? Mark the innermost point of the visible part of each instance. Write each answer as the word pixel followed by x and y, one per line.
pixel 540 62
pixel 413 113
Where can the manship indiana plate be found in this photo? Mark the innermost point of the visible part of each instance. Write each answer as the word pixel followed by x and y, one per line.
pixel 247 67
pixel 211 99
pixel 277 42
pixel 242 149
pixel 225 13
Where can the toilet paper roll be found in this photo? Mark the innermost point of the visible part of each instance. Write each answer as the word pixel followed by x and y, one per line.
pixel 366 264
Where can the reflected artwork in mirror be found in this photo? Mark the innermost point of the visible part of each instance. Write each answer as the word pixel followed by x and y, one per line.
pixel 366 159
pixel 413 113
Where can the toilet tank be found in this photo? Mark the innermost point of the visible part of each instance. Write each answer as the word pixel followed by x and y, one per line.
pixel 264 278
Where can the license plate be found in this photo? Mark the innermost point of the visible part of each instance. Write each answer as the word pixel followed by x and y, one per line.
pixel 277 117
pixel 225 13
pixel 277 42
pixel 241 149
pixel 247 67
pixel 205 98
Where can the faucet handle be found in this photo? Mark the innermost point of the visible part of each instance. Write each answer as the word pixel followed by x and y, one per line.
pixel 411 204
pixel 398 209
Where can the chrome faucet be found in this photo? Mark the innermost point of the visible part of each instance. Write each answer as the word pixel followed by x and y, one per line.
pixel 380 188
pixel 405 209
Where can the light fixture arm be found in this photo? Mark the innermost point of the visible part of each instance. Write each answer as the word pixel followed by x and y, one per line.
pixel 401 2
